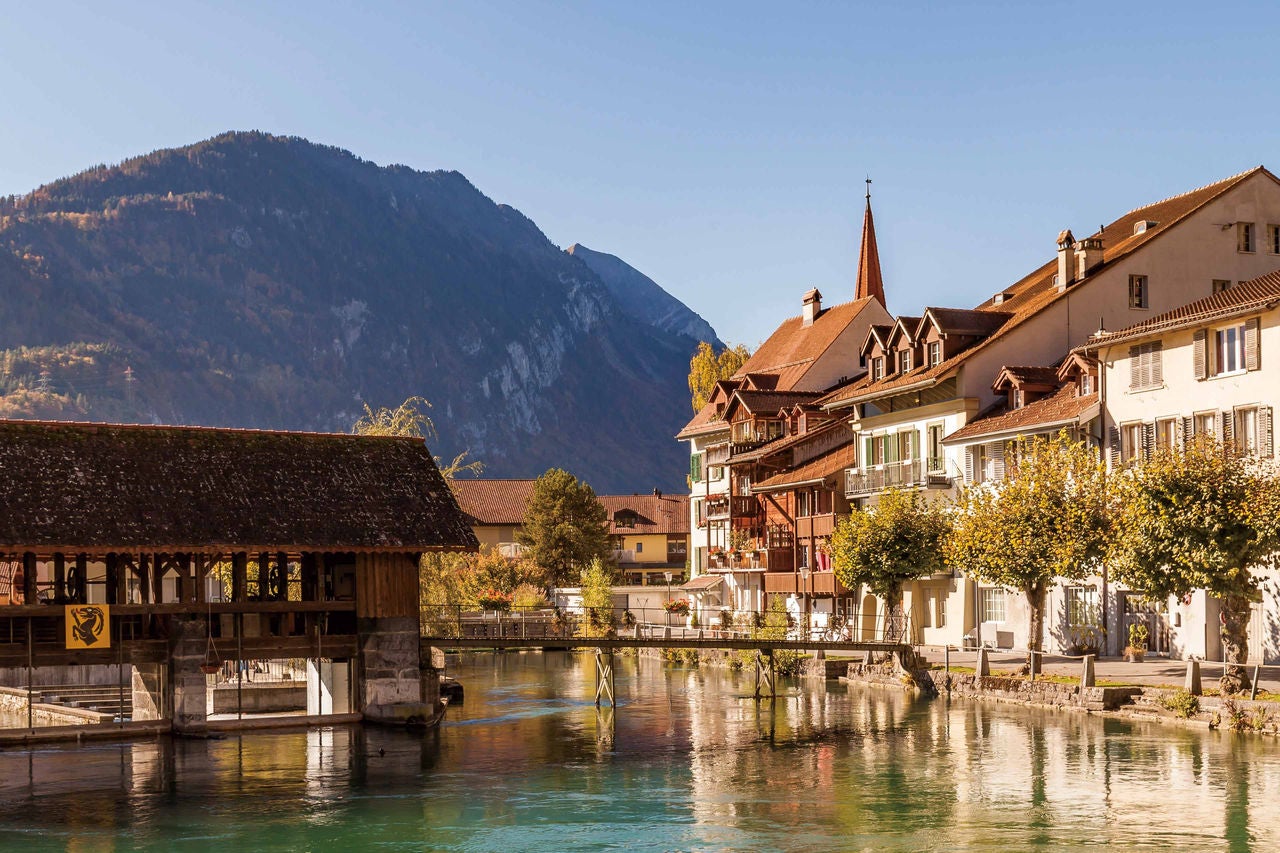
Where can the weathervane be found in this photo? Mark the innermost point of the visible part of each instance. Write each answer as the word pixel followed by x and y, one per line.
pixel 868 188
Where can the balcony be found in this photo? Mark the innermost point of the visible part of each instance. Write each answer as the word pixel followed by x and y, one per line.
pixel 820 583
pixel 882 477
pixel 744 506
pixel 760 560
pixel 808 527
pixel 717 454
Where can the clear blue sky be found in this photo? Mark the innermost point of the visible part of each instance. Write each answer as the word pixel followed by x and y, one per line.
pixel 719 148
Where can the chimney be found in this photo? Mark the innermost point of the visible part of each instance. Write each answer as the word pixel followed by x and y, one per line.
pixel 1089 255
pixel 812 306
pixel 1066 260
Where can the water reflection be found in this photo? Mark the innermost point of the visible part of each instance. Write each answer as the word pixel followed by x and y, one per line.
pixel 688 761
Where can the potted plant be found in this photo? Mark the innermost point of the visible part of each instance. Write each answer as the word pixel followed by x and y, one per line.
pixel 1083 639
pixel 495 600
pixel 677 606
pixel 1136 651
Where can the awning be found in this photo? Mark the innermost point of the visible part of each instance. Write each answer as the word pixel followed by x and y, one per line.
pixel 703 583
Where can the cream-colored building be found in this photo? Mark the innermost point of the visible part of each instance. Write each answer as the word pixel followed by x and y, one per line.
pixel 1210 367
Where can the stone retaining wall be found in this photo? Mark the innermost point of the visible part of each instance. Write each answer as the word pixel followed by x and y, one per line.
pixel 13 701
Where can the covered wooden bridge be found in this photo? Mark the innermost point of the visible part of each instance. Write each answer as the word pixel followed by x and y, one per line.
pixel 168 549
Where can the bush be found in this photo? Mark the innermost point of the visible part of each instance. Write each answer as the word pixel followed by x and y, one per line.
pixel 527 597
pixel 1181 703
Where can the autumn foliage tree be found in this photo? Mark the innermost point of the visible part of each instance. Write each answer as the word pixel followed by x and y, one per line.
pixel 707 367
pixel 564 527
pixel 896 541
pixel 1202 518
pixel 410 419
pixel 1046 519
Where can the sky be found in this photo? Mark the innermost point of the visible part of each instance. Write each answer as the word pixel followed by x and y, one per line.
pixel 720 148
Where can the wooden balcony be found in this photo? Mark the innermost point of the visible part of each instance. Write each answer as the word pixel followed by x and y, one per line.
pixel 744 506
pixel 717 454
pixel 815 525
pixel 820 583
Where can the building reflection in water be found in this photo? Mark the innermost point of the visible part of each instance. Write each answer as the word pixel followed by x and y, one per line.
pixel 688 761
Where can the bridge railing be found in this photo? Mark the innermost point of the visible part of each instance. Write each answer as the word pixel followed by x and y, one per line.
pixel 453 621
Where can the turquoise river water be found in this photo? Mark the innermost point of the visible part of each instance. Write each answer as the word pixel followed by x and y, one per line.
pixel 688 761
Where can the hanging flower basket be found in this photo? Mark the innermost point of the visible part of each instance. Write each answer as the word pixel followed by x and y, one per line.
pixel 678 606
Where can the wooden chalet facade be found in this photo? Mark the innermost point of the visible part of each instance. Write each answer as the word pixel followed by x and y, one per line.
pixel 259 544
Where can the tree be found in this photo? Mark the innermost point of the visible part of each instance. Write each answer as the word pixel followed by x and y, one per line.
pixel 596 583
pixel 1200 519
pixel 897 540
pixel 564 526
pixel 1047 519
pixel 410 419
pixel 707 367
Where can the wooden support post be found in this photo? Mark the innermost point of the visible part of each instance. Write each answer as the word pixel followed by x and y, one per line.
pixel 82 579
pixel 30 594
pixel 114 595
pixel 144 578
pixel 184 578
pixel 310 577
pixel 281 590
pixel 239 576
pixel 604 677
pixel 59 578
pixel 765 673
pixel 264 576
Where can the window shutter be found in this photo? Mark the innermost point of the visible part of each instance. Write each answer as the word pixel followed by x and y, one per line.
pixel 1135 367
pixel 1188 432
pixel 997 460
pixel 1266 445
pixel 1201 353
pixel 1179 434
pixel 1227 420
pixel 1251 344
pixel 868 454
pixel 968 465
pixel 1148 440
pixel 1155 364
pixel 1113 450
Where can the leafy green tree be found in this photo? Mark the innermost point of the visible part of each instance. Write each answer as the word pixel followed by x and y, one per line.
pixel 1205 519
pixel 410 419
pixel 1047 519
pixel 898 540
pixel 707 367
pixel 596 583
pixel 564 527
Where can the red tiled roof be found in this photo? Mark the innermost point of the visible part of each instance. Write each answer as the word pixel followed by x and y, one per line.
pixel 1060 408
pixel 654 513
pixel 1038 375
pixel 789 441
pixel 1036 291
pixel 827 465
pixel 870 282
pixel 493 501
pixel 789 353
pixel 1248 296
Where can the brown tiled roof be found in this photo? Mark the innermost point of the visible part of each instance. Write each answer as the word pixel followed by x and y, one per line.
pixel 870 282
pixel 772 402
pixel 654 513
pixel 702 583
pixel 1036 291
pixel 827 465
pixel 878 332
pixel 493 501
pixel 101 487
pixel 1038 375
pixel 964 321
pixel 787 442
pixel 789 352
pixel 1062 407
pixel 906 325
pixel 1245 298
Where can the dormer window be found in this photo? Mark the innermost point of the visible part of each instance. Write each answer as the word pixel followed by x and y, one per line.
pixel 904 361
pixel 624 519
pixel 1088 384
pixel 877 369
pixel 935 353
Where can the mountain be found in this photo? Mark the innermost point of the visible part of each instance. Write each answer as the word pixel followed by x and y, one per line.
pixel 642 297
pixel 261 281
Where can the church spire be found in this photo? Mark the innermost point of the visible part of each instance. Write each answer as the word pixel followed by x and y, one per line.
pixel 869 281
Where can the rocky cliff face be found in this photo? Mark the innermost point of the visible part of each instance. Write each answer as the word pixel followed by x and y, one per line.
pixel 643 298
pixel 260 281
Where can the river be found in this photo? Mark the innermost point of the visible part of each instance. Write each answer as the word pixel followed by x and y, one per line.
pixel 688 761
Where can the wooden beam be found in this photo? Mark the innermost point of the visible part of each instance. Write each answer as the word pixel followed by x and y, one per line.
pixel 264 576
pixel 82 579
pixel 239 576
pixel 310 577
pixel 59 578
pixel 29 593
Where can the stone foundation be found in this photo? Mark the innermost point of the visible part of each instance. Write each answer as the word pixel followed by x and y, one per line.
pixel 394 686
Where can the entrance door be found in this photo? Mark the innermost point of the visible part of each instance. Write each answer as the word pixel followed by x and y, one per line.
pixel 869 618
pixel 1136 610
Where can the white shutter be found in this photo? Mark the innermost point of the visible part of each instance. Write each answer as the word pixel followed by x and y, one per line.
pixel 1201 353
pixel 968 465
pixel 1148 440
pixel 1181 433
pixel 1266 445
pixel 1252 344
pixel 1113 450
pixel 1135 367
pixel 1155 364
pixel 997 460
pixel 1227 420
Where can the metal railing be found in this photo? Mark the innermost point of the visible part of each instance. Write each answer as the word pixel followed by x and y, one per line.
pixel 909 473
pixel 450 621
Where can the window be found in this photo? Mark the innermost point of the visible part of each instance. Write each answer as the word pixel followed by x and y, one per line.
pixel 804 503
pixel 1228 350
pixel 1221 284
pixel 935 353
pixel 940 608
pixel 979 463
pixel 904 361
pixel 908 445
pixel 1273 239
pixel 625 518
pixel 695 468
pixel 874 451
pixel 877 369
pixel 1088 383
pixel 1082 606
pixel 991 604
pixel 1146 368
pixel 715 472
pixel 1138 291
pixel 1166 433
pixel 1244 237
pixel 1131 444
pixel 639 546
pixel 1246 430
pixel 1206 423
pixel 936 462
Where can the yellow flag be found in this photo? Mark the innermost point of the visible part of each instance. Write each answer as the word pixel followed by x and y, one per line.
pixel 88 626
